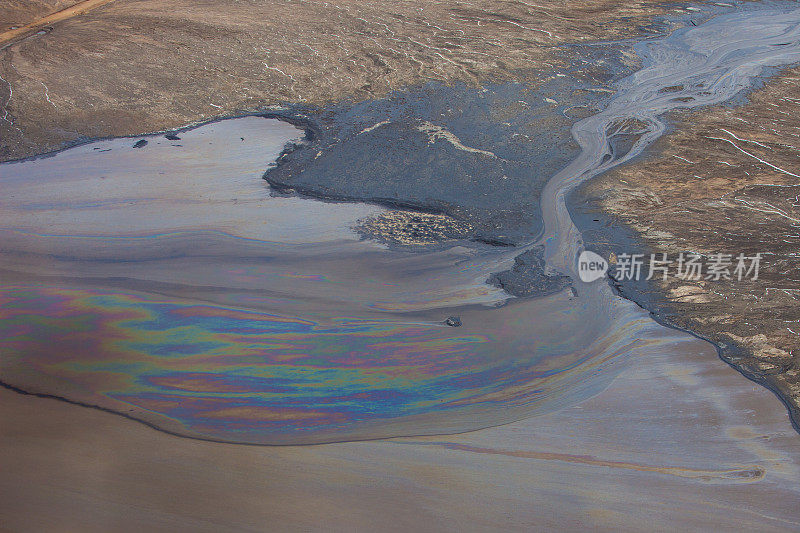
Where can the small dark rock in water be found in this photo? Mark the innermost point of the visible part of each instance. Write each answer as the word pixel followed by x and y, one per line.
pixel 140 144
pixel 453 321
pixel 172 137
pixel 242 138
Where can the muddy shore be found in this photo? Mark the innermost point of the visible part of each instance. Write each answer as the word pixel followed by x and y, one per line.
pixel 476 155
pixel 719 183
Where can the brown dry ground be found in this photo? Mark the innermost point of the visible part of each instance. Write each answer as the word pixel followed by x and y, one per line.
pixel 135 66
pixel 728 181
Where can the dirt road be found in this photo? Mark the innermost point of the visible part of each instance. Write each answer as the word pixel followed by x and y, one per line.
pixel 13 35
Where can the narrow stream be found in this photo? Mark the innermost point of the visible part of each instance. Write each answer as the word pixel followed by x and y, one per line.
pixel 695 66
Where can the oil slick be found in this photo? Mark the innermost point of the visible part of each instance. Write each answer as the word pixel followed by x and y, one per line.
pixel 165 283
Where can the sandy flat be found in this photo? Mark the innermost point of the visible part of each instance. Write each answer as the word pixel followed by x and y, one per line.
pixel 679 441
